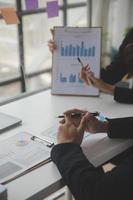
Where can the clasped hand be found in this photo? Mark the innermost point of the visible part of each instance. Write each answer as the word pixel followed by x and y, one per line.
pixel 71 130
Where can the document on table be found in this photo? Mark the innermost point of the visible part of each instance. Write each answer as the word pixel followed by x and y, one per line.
pixel 20 153
pixel 99 148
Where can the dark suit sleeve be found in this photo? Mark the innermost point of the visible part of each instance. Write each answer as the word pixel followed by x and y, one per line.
pixel 121 128
pixel 123 95
pixel 87 182
pixel 114 72
pixel 117 69
pixel 78 173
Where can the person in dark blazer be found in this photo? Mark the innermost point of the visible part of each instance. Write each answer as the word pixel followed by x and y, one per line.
pixel 84 180
pixel 121 65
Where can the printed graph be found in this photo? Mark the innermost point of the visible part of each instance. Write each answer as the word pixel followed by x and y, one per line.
pixel 71 78
pixel 77 50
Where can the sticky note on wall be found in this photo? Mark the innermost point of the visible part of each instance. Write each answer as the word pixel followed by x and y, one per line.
pixel 31 4
pixel 9 15
pixel 52 8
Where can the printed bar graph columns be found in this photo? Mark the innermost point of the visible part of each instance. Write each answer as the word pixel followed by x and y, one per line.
pixel 78 50
pixel 93 51
pixel 82 48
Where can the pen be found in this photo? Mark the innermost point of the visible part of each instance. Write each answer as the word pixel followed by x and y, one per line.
pixel 90 83
pixel 76 115
pixel 80 62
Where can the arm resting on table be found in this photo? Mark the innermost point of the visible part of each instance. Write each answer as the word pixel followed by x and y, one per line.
pixel 87 182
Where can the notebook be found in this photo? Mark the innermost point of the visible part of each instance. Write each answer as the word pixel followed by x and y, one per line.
pixel 8 121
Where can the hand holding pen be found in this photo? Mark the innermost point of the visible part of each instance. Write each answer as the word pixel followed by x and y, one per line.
pixel 79 114
pixel 93 122
pixel 84 72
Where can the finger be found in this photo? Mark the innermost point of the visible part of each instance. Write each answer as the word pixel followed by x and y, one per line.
pixel 52 44
pixel 76 123
pixel 88 69
pixel 62 121
pixel 84 122
pixel 92 77
pixel 89 81
pixel 88 116
pixel 82 69
pixel 75 110
pixel 71 111
pixel 60 128
pixel 91 74
pixel 87 66
pixel 50 41
pixel 88 72
pixel 68 119
pixel 51 49
pixel 82 125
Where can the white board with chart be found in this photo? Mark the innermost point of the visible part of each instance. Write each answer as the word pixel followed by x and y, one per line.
pixel 74 42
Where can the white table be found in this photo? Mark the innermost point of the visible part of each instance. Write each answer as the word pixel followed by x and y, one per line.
pixel 38 112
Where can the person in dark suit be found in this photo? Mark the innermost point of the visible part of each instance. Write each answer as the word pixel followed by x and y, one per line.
pixel 121 65
pixel 84 180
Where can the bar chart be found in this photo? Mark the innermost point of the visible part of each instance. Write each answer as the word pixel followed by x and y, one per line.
pixel 78 50
pixel 71 78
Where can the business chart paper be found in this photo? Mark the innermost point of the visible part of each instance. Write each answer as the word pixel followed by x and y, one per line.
pixel 99 148
pixel 74 42
pixel 19 153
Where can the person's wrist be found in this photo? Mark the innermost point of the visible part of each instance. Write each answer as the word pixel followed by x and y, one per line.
pixel 63 140
pixel 105 126
pixel 73 140
pixel 66 141
pixel 109 89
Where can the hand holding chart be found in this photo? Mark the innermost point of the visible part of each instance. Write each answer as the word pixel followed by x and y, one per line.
pixel 73 42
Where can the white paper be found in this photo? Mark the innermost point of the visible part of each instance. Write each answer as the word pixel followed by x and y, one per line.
pixel 19 153
pixel 81 42
pixel 99 148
